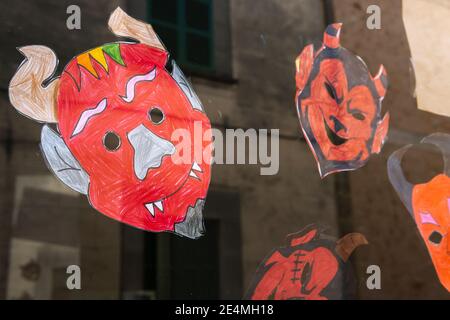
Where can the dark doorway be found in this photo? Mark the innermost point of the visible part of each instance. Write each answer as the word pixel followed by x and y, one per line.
pixel 167 266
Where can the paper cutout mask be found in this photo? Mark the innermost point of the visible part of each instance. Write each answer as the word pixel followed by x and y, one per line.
pixel 426 23
pixel 339 105
pixel 312 266
pixel 117 108
pixel 429 205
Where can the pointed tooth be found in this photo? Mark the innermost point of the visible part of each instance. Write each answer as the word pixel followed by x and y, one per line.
pixel 196 167
pixel 150 208
pixel 193 175
pixel 159 205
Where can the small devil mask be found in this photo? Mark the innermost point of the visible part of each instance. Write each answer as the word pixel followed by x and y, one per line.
pixel 429 205
pixel 339 105
pixel 312 266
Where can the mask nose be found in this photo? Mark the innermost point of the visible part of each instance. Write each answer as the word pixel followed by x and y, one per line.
pixel 338 126
pixel 149 149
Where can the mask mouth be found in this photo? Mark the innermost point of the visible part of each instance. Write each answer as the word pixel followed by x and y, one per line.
pixel 306 277
pixel 157 207
pixel 332 136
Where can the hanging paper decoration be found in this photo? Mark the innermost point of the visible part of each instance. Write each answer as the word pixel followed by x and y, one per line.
pixel 339 105
pixel 429 204
pixel 426 23
pixel 312 266
pixel 118 109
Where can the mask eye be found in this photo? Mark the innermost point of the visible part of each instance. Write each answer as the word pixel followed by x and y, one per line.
pixel 435 237
pixel 306 274
pixel 358 116
pixel 156 115
pixel 330 90
pixel 111 141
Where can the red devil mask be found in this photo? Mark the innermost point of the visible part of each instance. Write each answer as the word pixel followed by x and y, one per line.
pixel 311 267
pixel 118 110
pixel 429 205
pixel 339 105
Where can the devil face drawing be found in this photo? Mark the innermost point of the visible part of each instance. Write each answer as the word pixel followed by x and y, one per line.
pixel 339 105
pixel 310 267
pixel 429 205
pixel 117 110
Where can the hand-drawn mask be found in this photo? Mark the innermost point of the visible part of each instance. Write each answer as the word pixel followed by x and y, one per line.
pixel 339 105
pixel 429 205
pixel 312 266
pixel 118 111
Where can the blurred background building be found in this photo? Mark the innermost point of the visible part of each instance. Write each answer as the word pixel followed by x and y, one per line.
pixel 239 56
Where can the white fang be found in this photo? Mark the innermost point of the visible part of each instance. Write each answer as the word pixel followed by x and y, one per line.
pixel 150 208
pixel 159 205
pixel 196 167
pixel 192 174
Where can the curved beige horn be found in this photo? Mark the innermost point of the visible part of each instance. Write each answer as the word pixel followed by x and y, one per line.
pixel 348 243
pixel 26 92
pixel 123 25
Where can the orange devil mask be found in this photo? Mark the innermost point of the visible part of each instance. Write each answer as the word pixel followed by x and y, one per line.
pixel 429 205
pixel 339 105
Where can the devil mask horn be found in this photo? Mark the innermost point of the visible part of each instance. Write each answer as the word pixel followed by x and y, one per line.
pixel 397 177
pixel 348 243
pixel 441 141
pixel 123 25
pixel 331 37
pixel 395 172
pixel 26 91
